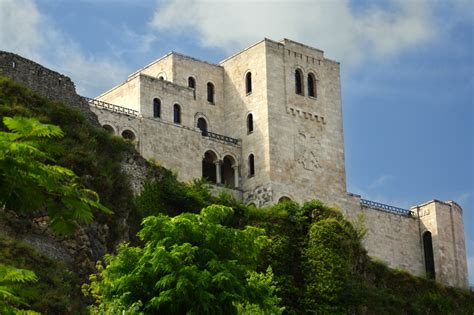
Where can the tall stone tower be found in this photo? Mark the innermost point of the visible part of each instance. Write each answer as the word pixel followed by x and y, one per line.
pixel 442 241
pixel 297 141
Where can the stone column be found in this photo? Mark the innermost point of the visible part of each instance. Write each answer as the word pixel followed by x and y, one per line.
pixel 236 175
pixel 218 172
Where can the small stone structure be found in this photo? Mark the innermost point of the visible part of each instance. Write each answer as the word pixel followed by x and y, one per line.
pixel 266 124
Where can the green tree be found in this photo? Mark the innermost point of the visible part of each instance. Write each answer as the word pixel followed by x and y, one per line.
pixel 190 263
pixel 11 281
pixel 30 181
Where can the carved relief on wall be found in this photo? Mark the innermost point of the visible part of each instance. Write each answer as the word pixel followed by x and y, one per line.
pixel 306 150
pixel 260 196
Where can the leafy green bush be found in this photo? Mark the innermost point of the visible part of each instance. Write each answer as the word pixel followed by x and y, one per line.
pixel 190 263
pixel 57 290
pixel 91 153
pixel 28 182
pixel 11 280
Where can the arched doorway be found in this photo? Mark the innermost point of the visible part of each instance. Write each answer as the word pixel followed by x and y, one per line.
pixel 202 125
pixel 209 167
pixel 228 171
pixel 429 257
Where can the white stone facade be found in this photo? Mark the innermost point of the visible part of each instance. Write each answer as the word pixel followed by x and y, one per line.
pixel 296 142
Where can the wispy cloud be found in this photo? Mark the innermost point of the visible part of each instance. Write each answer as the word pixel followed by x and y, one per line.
pixel 26 31
pixel 380 181
pixel 346 33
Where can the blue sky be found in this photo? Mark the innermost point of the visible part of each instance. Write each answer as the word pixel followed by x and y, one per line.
pixel 407 72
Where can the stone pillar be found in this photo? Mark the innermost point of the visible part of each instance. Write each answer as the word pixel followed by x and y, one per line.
pixel 236 175
pixel 218 172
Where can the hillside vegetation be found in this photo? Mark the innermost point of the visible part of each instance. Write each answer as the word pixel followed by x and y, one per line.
pixel 195 252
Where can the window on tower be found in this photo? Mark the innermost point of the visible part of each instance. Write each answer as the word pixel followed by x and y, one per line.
pixel 251 165
pixel 248 83
pixel 210 92
pixel 311 85
pixel 176 114
pixel 299 82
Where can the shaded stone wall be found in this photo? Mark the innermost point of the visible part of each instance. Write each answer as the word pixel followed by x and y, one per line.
pixel 43 81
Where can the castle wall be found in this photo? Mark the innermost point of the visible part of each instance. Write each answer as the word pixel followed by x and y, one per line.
pixel 162 67
pixel 238 104
pixel 392 238
pixel 43 81
pixel 126 94
pixel 158 140
pixel 202 72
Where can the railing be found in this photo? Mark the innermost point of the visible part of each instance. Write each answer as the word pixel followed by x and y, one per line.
pixel 219 137
pixel 111 107
pixel 384 207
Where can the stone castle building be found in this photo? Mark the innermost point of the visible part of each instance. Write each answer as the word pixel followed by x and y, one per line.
pixel 266 125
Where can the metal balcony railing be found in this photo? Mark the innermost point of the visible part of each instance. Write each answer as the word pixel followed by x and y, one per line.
pixel 111 107
pixel 384 207
pixel 219 137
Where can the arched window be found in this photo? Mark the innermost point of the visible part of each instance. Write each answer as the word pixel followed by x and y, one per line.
pixel 156 108
pixel 251 165
pixel 209 166
pixel 109 128
pixel 210 92
pixel 311 85
pixel 284 199
pixel 202 125
pixel 299 82
pixel 248 83
pixel 161 78
pixel 249 123
pixel 429 258
pixel 176 114
pixel 191 83
pixel 227 171
pixel 128 134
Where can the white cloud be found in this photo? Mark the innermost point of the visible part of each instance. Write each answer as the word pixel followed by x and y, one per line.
pixel 26 31
pixel 344 33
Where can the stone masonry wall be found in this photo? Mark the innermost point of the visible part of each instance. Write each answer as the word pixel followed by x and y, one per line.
pixel 307 156
pixel 158 140
pixel 43 81
pixel 239 104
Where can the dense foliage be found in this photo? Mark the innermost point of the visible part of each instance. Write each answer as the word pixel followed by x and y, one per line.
pixel 57 289
pixel 11 280
pixel 30 182
pixel 317 258
pixel 190 263
pixel 91 153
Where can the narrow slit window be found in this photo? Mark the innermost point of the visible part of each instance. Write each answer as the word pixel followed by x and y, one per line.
pixel 176 114
pixel 248 83
pixel 251 165
pixel 210 92
pixel 156 108
pixel 299 82
pixel 249 123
